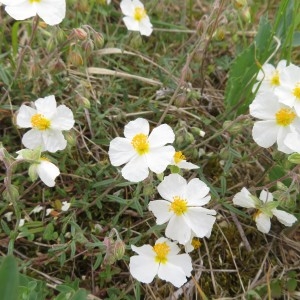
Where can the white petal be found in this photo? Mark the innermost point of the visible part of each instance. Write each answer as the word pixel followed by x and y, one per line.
pixel 196 192
pixel 243 199
pixel 161 210
pixel 33 139
pixel 266 196
pixel 161 136
pixel 21 11
pixel 265 133
pixel 46 106
pixel 54 140
pixel 135 127
pixel 172 185
pixel 127 7
pixel 52 11
pixel 182 261
pixel 143 268
pixel 264 106
pixel 186 165
pixel 172 273
pixel 24 116
pixel 263 223
pixel 158 159
pixel 65 206
pixel 63 119
pixel 292 141
pixel 281 135
pixel 145 26
pixel 47 172
pixel 131 24
pixel 120 151
pixel 200 221
pixel 178 230
pixel 145 250
pixel 136 169
pixel 284 217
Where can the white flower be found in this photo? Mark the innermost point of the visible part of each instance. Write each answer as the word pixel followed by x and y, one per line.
pixel 289 90
pixel 65 206
pixel 47 122
pixel 21 223
pixel 269 77
pixel 180 162
pixel 183 209
pixel 265 209
pixel 136 17
pixel 292 141
pixel 41 167
pixel 48 211
pixel 8 216
pixel 37 209
pixel 140 151
pixel 192 244
pixel 162 260
pixel 277 120
pixel 51 11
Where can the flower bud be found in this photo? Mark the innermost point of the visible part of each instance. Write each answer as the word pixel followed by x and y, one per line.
pixel 70 137
pixel 60 35
pixel 118 249
pixel 246 15
pixel 87 47
pixel 238 4
pixel 75 59
pixel 80 33
pixel 98 39
pixel 233 128
pixel 136 41
pixel 50 45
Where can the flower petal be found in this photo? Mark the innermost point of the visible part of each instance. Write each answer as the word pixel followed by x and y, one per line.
pixel 54 140
pixel 46 106
pixel 292 141
pixel 145 250
pixel 127 7
pixel 52 11
pixel 131 24
pixel 172 185
pixel 263 223
pixel 33 139
pixel 266 196
pixel 281 135
pixel 284 217
pixel 196 192
pixel 145 26
pixel 47 172
pixel 177 229
pixel 22 11
pixel 158 159
pixel 63 118
pixel 172 273
pixel 265 133
pixel 136 169
pixel 186 165
pixel 143 268
pixel 243 199
pixel 135 127
pixel 182 261
pixel 161 136
pixel 200 220
pixel 120 151
pixel 161 210
pixel 24 116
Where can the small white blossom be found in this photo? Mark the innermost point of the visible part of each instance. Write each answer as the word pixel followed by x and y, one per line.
pixel 277 121
pixel 48 211
pixel 21 223
pixel 182 208
pixel 269 77
pixel 8 216
pixel 136 18
pixel 47 122
pixel 51 11
pixel 180 162
pixel 141 151
pixel 265 209
pixel 65 206
pixel 37 209
pixel 162 260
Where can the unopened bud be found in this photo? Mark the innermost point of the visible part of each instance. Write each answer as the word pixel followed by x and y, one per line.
pixel 42 24
pixel 83 101
pixel 233 128
pixel 246 14
pixel 219 34
pixel 98 39
pixel 118 249
pixel 136 41
pixel 80 33
pixel 87 47
pixel 238 4
pixel 75 59
pixel 50 45
pixel 70 137
pixel 60 35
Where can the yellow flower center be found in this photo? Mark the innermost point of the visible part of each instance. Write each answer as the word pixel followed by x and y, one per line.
pixel 140 143
pixel 196 243
pixel 178 157
pixel 179 206
pixel 285 116
pixel 39 122
pixel 296 91
pixel 275 80
pixel 162 250
pixel 139 13
pixel 43 158
pixel 31 1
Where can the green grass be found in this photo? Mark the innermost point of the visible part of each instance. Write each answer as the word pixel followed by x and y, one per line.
pixel 190 61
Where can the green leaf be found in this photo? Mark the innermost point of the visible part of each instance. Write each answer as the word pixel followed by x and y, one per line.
pixel 81 294
pixel 9 278
pixel 294 158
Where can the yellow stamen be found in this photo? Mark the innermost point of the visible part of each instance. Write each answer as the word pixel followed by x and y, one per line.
pixel 31 1
pixel 179 206
pixel 178 157
pixel 43 158
pixel 296 91
pixel 140 143
pixel 139 13
pixel 275 80
pixel 162 250
pixel 39 122
pixel 285 116
pixel 196 243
